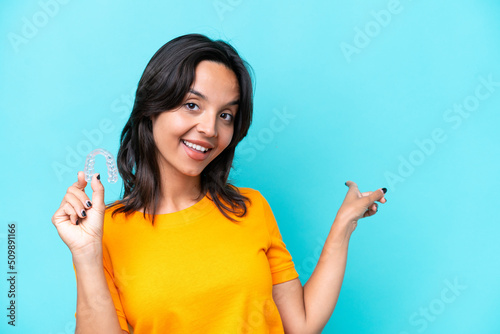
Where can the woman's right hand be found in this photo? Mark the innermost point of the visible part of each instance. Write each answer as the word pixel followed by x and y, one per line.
pixel 78 220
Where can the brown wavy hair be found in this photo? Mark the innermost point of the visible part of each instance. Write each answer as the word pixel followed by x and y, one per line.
pixel 163 86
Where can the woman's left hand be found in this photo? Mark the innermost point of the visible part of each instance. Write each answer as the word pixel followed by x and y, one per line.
pixel 358 205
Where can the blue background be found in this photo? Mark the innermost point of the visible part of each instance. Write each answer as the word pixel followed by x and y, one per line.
pixel 361 89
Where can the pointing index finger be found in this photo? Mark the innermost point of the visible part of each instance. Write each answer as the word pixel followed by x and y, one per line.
pixel 378 195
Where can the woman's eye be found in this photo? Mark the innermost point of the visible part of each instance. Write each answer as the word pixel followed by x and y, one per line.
pixel 227 116
pixel 191 106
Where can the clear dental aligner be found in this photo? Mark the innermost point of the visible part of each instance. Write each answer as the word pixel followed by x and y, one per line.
pixel 110 162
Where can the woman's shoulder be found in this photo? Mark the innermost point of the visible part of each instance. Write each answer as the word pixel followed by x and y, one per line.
pixel 250 192
pixel 112 207
pixel 254 195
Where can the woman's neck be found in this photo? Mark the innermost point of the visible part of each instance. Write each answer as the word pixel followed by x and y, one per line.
pixel 179 192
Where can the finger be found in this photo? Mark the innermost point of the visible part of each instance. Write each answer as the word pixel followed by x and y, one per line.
pixel 367 193
pixel 97 194
pixel 59 216
pixel 77 205
pixel 81 183
pixel 353 189
pixel 81 195
pixel 71 213
pixel 65 215
pixel 371 211
pixel 382 200
pixel 378 195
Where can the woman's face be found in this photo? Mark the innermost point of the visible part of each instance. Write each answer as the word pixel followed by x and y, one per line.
pixel 205 120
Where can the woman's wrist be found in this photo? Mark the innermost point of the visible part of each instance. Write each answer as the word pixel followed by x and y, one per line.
pixel 89 255
pixel 341 231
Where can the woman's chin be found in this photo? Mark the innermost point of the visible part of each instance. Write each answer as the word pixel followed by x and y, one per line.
pixel 193 173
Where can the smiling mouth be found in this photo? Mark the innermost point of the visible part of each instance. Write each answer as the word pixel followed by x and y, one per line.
pixel 197 148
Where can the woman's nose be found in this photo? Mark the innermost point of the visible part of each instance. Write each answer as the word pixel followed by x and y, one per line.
pixel 208 124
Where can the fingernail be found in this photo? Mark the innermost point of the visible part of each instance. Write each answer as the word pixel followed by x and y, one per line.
pixel 346 184
pixel 89 204
pixel 84 213
pixel 384 190
pixel 98 176
pixel 77 222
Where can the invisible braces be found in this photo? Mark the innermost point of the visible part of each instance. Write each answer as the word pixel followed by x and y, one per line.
pixel 110 162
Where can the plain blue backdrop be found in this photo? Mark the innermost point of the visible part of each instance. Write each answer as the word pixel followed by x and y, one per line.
pixel 397 94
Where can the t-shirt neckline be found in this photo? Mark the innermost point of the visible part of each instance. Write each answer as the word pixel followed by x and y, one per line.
pixel 184 216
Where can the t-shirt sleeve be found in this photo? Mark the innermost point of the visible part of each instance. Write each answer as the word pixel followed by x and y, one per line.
pixel 280 259
pixel 108 274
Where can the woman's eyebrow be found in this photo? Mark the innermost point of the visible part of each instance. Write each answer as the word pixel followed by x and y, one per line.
pixel 235 102
pixel 198 94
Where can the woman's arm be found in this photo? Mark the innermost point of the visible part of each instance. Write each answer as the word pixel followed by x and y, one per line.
pixel 95 310
pixel 307 309
pixel 79 223
pixel 322 290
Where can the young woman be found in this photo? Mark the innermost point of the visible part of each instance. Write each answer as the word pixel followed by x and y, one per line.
pixel 185 251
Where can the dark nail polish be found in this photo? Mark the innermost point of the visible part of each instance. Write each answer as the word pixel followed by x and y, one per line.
pixel 98 176
pixel 89 204
pixel 84 213
pixel 77 222
pixel 384 190
pixel 346 183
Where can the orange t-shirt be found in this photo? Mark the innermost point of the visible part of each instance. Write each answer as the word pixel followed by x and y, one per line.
pixel 195 271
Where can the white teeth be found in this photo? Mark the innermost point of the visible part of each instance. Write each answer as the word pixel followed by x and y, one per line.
pixel 196 147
